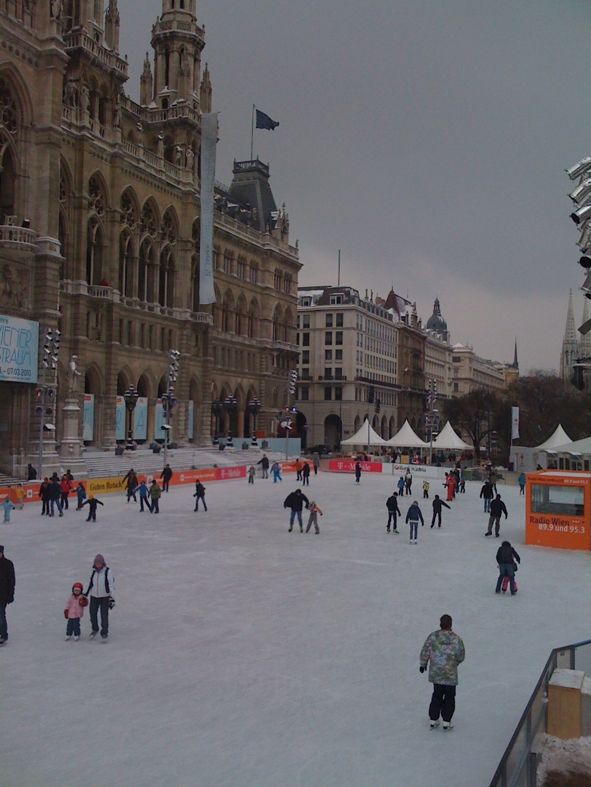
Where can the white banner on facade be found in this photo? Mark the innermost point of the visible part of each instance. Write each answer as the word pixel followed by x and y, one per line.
pixel 514 423
pixel 209 138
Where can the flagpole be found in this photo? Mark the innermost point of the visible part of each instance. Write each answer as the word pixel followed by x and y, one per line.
pixel 252 135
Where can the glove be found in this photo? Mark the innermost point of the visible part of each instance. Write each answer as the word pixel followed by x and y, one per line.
pixel 111 602
pixel 422 669
pixel 66 614
pixel 83 601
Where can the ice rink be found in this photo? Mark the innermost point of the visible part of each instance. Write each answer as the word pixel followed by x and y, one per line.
pixel 246 656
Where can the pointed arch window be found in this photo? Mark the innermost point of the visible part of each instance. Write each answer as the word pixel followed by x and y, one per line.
pixel 166 289
pixel 7 183
pixel 94 253
pixel 126 265
pixel 145 266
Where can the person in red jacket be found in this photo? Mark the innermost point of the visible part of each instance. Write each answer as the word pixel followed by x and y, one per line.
pixel 65 489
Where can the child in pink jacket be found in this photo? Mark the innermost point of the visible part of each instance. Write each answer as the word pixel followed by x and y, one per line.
pixel 74 610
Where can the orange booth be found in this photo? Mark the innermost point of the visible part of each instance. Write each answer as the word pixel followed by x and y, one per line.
pixel 558 509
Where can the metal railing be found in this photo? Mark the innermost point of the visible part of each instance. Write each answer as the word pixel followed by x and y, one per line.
pixel 519 763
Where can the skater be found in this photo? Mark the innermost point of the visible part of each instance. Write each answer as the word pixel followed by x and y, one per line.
pixel 251 474
pixel 80 495
pixel 393 513
pixel 264 463
pixel 20 497
pixel 408 482
pixel 521 482
pixel 69 476
pixel 298 467
pixel 437 506
pixel 74 610
pixel 506 557
pixel 497 508
pixel 413 516
pixel 166 476
pixel 7 583
pixel 44 495
pixel 155 494
pixel 92 503
pixel 55 496
pixel 426 487
pixel 65 489
pixel 31 473
pixel 199 495
pixel 313 518
pixel 8 507
pixel 450 485
pixel 101 586
pixel 276 470
pixel 443 651
pixel 400 485
pixel 357 471
pixel 316 463
pixel 486 493
pixel 130 479
pixel 306 474
pixel 144 494
pixel 295 501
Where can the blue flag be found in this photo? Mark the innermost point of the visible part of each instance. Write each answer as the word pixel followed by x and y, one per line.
pixel 264 121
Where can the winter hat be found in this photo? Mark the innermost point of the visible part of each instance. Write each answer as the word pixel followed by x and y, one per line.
pixel 100 559
pixel 78 585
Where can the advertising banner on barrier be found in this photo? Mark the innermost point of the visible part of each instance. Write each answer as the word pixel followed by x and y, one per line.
pixel 348 466
pixel 420 471
pixel 88 418
pixel 119 418
pixel 19 349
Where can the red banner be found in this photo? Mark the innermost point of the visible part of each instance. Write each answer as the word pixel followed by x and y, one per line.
pixel 348 466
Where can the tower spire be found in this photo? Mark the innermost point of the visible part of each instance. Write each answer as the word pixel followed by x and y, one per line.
pixel 570 333
pixel 585 337
pixel 515 360
pixel 570 343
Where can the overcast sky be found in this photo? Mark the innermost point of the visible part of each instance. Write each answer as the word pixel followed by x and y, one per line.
pixel 425 139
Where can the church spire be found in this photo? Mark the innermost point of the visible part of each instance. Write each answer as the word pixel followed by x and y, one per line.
pixel 112 24
pixel 585 337
pixel 146 83
pixel 515 360
pixel 177 40
pixel 570 344
pixel 570 333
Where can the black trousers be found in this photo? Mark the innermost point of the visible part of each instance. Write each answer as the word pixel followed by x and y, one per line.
pixel 436 515
pixel 103 605
pixel 443 702
pixel 165 485
pixel 392 520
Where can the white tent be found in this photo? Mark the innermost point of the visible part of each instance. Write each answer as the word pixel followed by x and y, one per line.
pixel 406 438
pixel 559 437
pixel 364 436
pixel 576 448
pixel 450 440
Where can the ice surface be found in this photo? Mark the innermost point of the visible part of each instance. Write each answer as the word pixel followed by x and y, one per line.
pixel 246 656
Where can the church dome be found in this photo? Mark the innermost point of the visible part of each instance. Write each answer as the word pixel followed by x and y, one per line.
pixel 436 323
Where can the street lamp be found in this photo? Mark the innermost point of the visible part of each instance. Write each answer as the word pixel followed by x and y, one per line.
pixel 254 408
pixel 168 398
pixel 217 408
pixel 230 406
pixel 130 398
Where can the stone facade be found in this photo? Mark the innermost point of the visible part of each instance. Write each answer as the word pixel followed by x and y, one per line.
pixel 99 231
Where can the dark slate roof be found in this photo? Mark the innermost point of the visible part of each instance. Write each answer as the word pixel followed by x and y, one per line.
pixel 250 185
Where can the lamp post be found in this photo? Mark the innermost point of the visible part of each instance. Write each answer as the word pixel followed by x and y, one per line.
pixel 130 398
pixel 217 408
pixel 230 406
pixel 254 408
pixel 168 398
pixel 45 393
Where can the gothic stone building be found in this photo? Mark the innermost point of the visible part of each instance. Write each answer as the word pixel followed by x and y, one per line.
pixel 99 232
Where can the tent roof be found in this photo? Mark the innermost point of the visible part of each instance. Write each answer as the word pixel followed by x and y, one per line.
pixel 364 436
pixel 558 437
pixel 576 448
pixel 449 439
pixel 406 438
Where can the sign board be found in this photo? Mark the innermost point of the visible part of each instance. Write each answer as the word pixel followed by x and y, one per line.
pixel 348 466
pixel 19 349
pixel 420 471
pixel 140 419
pixel 558 506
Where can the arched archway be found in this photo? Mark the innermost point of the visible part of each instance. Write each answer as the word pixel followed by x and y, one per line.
pixel 391 428
pixel 384 428
pixel 302 429
pixel 90 415
pixel 333 431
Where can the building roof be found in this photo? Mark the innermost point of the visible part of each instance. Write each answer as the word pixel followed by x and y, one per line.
pixel 436 323
pixel 365 435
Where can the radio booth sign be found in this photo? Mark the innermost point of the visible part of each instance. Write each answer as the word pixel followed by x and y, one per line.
pixel 558 509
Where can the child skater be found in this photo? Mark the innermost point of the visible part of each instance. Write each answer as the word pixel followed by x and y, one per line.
pixel 80 495
pixel 92 503
pixel 8 507
pixel 251 474
pixel 314 510
pixel 74 610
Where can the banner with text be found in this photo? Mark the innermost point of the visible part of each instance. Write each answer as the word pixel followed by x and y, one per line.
pixel 348 466
pixel 209 138
pixel 119 418
pixel 140 419
pixel 88 418
pixel 19 349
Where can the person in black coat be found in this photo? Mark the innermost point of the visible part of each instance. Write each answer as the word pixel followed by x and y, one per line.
pixel 166 475
pixel 393 513
pixel 44 495
pixel 295 501
pixel 31 473
pixel 7 583
pixel 506 557
pixel 199 495
pixel 487 494
pixel 306 474
pixel 54 496
pixel 497 508
pixel 264 463
pixel 357 472
pixel 438 503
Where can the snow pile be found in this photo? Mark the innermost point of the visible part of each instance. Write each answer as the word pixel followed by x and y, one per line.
pixel 565 763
